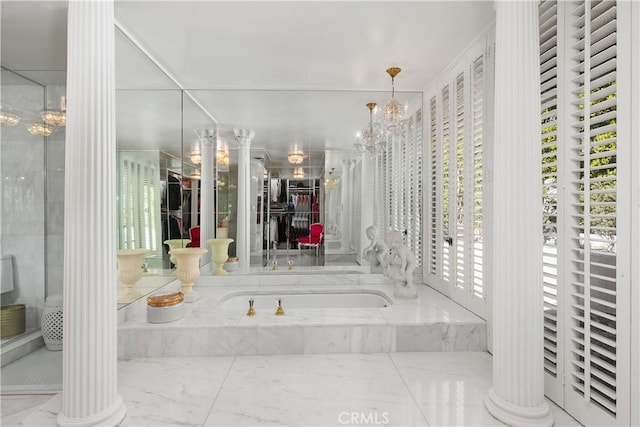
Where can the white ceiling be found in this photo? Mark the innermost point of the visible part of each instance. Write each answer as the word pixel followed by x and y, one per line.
pixel 297 72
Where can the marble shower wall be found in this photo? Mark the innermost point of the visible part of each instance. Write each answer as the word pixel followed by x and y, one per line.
pixel 22 224
pixel 55 197
pixel 32 196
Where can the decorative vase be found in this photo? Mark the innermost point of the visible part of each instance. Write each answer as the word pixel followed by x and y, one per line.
pixel 130 271
pixel 176 244
pixel 51 322
pixel 219 254
pixel 188 269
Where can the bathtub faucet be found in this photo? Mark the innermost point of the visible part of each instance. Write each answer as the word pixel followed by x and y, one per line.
pixel 252 311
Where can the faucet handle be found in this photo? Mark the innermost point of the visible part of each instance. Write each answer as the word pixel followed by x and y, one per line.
pixel 252 311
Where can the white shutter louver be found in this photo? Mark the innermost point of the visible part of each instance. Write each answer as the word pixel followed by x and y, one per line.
pixel 433 187
pixel 459 180
pixel 549 134
pixel 457 110
pixel 477 73
pixel 593 345
pixel 446 184
pixel 416 218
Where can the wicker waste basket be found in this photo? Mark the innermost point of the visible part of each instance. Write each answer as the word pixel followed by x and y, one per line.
pixel 12 322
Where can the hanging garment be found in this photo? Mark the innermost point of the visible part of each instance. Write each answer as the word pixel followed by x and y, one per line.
pixel 273 223
pixel 275 189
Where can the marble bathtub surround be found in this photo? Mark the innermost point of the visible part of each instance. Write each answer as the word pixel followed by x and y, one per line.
pixel 431 322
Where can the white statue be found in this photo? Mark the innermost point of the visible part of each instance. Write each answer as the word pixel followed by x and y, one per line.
pixel 376 252
pixel 400 265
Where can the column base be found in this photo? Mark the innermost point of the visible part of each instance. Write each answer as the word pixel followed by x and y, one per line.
pixel 514 415
pixel 112 416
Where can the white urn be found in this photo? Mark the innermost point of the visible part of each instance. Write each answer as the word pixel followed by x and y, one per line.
pixel 188 269
pixel 130 269
pixel 220 254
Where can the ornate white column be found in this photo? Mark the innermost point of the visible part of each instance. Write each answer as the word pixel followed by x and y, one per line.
pixel 90 371
pixel 345 217
pixel 243 235
pixel 207 186
pixel 517 395
pixel 366 195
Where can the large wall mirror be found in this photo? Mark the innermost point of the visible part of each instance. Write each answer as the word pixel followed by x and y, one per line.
pixel 302 149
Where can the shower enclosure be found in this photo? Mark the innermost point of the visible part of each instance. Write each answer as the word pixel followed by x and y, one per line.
pixel 31 200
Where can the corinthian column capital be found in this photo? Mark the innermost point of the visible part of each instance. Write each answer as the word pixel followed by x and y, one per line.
pixel 244 136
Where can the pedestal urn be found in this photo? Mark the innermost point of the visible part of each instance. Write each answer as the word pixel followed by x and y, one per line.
pixel 176 244
pixel 130 271
pixel 188 269
pixel 219 254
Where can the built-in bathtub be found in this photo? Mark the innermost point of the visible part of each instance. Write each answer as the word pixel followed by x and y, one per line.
pixel 304 299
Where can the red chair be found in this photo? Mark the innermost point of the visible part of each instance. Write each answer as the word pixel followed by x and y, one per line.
pixel 314 239
pixel 194 233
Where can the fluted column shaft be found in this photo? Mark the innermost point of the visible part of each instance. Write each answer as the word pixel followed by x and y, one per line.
pixel 90 371
pixel 345 218
pixel 243 232
pixel 517 395
pixel 208 184
pixel 366 195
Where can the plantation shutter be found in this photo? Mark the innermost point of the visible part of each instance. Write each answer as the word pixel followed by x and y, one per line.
pixel 446 183
pixel 550 206
pixel 458 171
pixel 139 214
pixel 597 377
pixel 416 188
pixel 477 195
pixel 456 129
pixel 434 177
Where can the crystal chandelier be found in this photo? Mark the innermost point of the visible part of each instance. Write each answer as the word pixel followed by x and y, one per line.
pixel 8 119
pixel 298 173
pixel 196 158
pixel 393 111
pixel 296 157
pixel 331 182
pixel 222 157
pixel 370 140
pixel 56 117
pixel 39 129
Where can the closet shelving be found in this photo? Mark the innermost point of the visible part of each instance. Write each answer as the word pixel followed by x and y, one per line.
pixel 291 205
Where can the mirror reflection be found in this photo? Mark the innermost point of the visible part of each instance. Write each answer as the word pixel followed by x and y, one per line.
pixel 301 145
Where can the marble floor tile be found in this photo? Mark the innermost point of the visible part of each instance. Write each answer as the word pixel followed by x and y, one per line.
pixel 318 390
pixel 406 389
pixel 170 391
pixel 15 408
